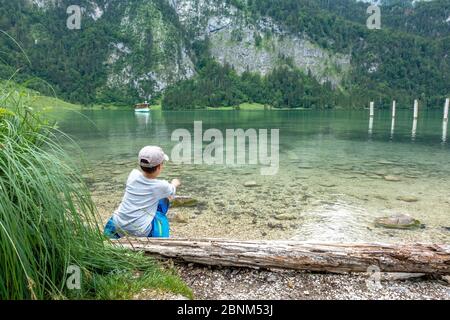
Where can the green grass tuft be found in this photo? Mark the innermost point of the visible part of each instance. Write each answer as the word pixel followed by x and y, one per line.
pixel 48 220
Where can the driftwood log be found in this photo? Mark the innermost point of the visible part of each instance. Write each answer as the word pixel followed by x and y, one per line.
pixel 295 255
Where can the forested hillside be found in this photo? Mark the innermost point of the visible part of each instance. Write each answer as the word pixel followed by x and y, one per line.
pixel 123 52
pixel 198 53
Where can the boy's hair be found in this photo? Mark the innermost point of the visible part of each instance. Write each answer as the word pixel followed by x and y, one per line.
pixel 148 170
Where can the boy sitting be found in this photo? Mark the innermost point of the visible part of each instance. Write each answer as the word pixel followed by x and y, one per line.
pixel 143 210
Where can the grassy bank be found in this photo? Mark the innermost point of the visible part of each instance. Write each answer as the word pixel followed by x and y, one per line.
pixel 46 103
pixel 253 106
pixel 48 222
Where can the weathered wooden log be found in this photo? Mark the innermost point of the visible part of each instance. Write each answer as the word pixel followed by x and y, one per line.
pixel 295 255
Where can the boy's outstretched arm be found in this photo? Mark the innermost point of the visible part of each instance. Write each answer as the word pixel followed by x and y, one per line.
pixel 176 183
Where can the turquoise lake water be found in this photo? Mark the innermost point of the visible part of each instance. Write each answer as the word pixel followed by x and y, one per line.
pixel 330 186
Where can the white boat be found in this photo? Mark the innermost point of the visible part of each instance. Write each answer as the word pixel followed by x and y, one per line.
pixel 145 110
pixel 142 107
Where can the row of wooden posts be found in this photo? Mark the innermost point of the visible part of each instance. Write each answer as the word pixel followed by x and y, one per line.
pixel 416 109
pixel 415 118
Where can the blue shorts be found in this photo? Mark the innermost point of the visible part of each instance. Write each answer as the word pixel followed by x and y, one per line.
pixel 160 223
pixel 110 230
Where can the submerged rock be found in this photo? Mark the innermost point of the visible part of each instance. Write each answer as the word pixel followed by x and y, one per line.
pixel 275 225
pixel 285 216
pixel 327 185
pixel 399 221
pixel 408 198
pixel 88 179
pixel 251 184
pixel 392 178
pixel 380 173
pixel 387 163
pixel 180 218
pixel 100 185
pixel 184 202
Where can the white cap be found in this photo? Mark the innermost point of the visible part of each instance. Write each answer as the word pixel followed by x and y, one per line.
pixel 153 155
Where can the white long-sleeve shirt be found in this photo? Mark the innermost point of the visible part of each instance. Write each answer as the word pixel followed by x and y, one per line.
pixel 139 204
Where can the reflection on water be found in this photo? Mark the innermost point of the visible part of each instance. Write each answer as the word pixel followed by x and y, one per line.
pixel 392 128
pixel 335 177
pixel 414 130
pixel 444 131
pixel 142 119
pixel 370 127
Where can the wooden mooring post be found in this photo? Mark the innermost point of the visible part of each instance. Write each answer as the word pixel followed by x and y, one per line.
pixel 371 114
pixel 447 103
pixel 394 107
pixel 416 116
pixel 416 109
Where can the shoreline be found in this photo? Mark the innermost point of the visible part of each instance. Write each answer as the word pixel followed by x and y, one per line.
pixel 225 283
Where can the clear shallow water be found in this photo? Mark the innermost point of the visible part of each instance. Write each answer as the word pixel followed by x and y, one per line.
pixel 330 182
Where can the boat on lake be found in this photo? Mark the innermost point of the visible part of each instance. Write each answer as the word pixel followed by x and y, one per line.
pixel 142 107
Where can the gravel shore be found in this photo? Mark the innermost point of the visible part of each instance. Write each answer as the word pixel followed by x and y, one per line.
pixel 247 284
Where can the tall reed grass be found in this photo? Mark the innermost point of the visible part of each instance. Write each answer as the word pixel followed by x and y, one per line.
pixel 48 220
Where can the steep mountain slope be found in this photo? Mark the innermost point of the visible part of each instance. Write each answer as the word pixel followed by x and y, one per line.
pixel 129 50
pixel 430 18
pixel 152 54
pixel 255 44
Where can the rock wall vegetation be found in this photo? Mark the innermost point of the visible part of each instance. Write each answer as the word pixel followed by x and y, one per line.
pixel 198 53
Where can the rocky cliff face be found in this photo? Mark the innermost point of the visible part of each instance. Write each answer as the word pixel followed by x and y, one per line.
pixel 154 55
pixel 256 46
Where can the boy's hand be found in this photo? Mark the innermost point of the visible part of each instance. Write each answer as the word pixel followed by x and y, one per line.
pixel 176 183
